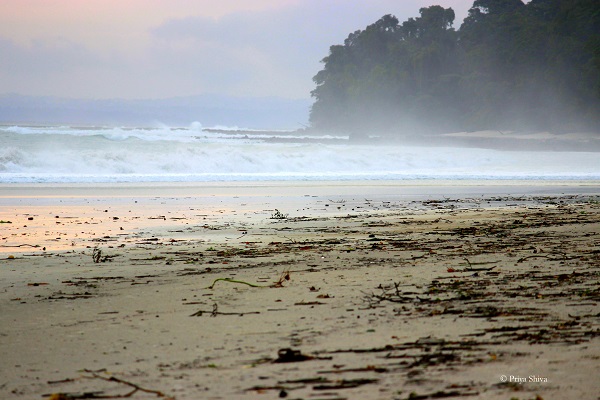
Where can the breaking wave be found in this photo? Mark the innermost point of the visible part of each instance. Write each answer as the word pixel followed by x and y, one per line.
pixel 109 154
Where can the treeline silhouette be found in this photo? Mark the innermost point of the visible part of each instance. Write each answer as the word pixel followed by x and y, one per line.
pixel 510 66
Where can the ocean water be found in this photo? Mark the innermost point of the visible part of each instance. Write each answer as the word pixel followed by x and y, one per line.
pixel 69 154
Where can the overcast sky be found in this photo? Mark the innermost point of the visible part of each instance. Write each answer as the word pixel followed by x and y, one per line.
pixel 167 48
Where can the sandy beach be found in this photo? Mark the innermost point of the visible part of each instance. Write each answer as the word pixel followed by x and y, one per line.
pixel 301 290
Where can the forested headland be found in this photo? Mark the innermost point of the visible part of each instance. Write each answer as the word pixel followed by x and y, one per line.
pixel 510 66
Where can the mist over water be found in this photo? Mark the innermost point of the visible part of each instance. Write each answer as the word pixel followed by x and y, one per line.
pixel 166 154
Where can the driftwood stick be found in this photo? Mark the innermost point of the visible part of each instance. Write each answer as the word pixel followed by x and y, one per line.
pixel 135 387
pixel 199 313
pixel 564 257
pixel 235 281
pixel 215 311
pixel 285 276
pixel 20 245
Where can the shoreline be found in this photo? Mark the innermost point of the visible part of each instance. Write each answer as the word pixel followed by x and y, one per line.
pixel 26 189
pixel 412 291
pixel 72 216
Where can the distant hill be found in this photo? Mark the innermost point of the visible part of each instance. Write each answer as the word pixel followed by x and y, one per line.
pixel 208 109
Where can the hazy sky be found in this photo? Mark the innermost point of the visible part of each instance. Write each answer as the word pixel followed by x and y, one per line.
pixel 168 48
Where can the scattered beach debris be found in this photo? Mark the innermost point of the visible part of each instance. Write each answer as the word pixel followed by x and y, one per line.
pixel 279 215
pixel 290 355
pixel 96 255
pixel 520 282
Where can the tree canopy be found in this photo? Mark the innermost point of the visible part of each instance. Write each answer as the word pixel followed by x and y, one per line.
pixel 511 65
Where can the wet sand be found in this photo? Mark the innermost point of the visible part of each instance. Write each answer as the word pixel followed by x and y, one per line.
pixel 305 290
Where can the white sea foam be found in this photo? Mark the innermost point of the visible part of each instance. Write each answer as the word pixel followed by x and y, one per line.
pixel 104 154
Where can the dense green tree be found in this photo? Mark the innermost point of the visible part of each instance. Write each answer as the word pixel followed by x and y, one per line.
pixel 510 66
pixel 386 75
pixel 531 62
